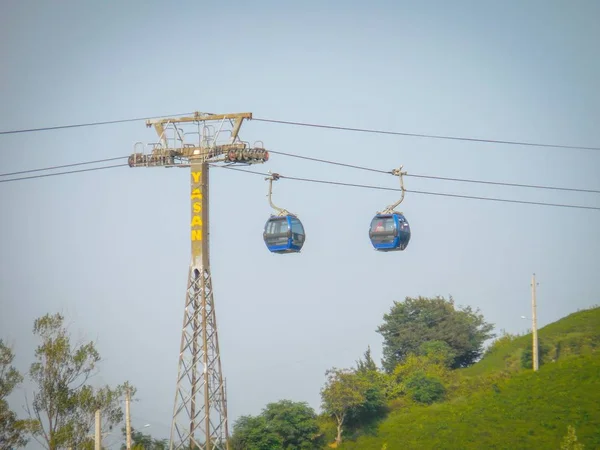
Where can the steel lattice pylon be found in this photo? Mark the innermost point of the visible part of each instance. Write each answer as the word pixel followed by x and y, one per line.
pixel 199 347
pixel 199 411
pixel 200 407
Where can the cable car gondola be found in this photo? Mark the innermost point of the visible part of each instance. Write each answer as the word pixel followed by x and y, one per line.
pixel 284 232
pixel 389 230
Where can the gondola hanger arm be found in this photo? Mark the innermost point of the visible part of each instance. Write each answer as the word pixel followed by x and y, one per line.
pixel 280 211
pixel 397 172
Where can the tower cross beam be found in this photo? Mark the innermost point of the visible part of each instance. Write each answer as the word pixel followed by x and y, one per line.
pixel 159 124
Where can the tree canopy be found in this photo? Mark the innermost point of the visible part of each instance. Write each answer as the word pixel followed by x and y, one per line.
pixel 416 321
pixel 141 441
pixel 344 391
pixel 374 382
pixel 13 432
pixel 64 404
pixel 284 425
pixel 253 432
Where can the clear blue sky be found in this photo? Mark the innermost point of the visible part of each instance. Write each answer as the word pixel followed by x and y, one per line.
pixel 110 249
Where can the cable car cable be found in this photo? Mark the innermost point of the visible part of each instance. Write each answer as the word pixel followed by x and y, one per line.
pixel 64 173
pixel 316 125
pixel 498 183
pixel 324 182
pixel 429 136
pixel 89 124
pixel 63 166
pixel 365 186
pixel 432 177
pixel 309 158
pixel 314 159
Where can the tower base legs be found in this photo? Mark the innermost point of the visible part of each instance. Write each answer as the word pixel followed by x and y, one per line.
pixel 200 409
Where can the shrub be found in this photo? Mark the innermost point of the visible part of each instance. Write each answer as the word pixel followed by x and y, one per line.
pixel 503 341
pixel 425 389
pixel 527 355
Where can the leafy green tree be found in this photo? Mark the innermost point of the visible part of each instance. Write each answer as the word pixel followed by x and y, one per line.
pixel 295 423
pixel 141 441
pixel 327 427
pixel 438 352
pixel 371 410
pixel 415 321
pixel 253 433
pixel 366 366
pixel 430 364
pixel 64 405
pixel 343 391
pixel 13 431
pixel 374 406
pixel 282 425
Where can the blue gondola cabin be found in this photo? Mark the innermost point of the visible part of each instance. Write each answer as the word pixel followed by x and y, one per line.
pixel 284 234
pixel 389 232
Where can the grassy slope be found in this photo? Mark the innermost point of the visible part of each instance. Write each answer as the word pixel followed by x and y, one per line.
pixel 577 333
pixel 530 410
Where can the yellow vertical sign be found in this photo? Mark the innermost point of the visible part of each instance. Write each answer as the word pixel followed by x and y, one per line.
pixel 197 198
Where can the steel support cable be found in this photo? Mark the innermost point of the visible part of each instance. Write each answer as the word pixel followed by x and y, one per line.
pixel 89 124
pixel 309 158
pixel 442 194
pixel 316 125
pixel 63 166
pixel 463 180
pixel 432 177
pixel 330 183
pixel 428 136
pixel 63 173
pixel 286 154
pixel 498 183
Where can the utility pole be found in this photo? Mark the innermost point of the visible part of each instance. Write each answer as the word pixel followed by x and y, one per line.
pixel 128 416
pixel 200 408
pixel 98 435
pixel 534 325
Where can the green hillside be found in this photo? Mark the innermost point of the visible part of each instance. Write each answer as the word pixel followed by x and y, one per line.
pixel 577 333
pixel 519 410
pixel 529 411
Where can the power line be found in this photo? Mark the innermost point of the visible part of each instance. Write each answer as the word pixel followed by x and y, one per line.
pixel 63 173
pixel 429 136
pixel 89 124
pixel 463 180
pixel 62 166
pixel 365 186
